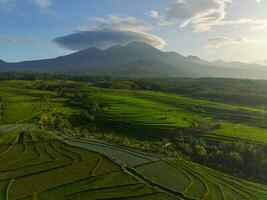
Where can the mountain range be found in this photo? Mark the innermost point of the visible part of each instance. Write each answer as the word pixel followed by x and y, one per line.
pixel 138 59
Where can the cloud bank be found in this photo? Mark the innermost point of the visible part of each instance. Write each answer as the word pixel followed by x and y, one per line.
pixel 106 32
pixel 203 15
pixel 217 42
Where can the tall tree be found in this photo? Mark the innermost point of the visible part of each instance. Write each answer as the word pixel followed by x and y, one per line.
pixel 3 106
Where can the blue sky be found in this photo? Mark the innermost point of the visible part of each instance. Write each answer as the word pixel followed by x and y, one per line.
pixel 212 29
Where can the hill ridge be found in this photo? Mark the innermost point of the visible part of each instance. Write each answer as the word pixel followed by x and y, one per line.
pixel 115 60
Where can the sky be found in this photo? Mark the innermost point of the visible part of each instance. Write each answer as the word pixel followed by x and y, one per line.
pixel 229 30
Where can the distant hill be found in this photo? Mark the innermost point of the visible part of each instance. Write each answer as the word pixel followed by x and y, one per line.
pixel 138 59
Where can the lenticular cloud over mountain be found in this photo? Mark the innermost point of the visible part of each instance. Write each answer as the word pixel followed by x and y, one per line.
pixel 104 39
pixel 110 31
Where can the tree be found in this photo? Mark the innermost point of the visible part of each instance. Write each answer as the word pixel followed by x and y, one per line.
pixel 77 94
pixel 3 106
pixel 53 119
pixel 235 160
pixel 200 153
pixel 93 107
pixel 263 170
pixel 265 149
pixel 62 92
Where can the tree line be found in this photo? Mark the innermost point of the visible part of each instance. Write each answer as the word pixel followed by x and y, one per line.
pixel 229 90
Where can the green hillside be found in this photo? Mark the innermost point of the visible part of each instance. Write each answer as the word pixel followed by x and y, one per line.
pixel 158 114
pixel 75 156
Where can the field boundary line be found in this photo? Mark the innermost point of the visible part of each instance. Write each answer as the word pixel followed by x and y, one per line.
pixel 96 166
pixel 8 188
pixel 156 186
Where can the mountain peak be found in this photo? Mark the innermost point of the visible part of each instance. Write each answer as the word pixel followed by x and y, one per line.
pixel 137 44
pixel 197 60
pixel 193 58
pixel 91 49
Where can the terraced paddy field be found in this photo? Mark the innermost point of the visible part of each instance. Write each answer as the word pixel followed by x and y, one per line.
pixel 43 165
pixel 155 115
pixel 47 164
pixel 142 114
pixel 181 178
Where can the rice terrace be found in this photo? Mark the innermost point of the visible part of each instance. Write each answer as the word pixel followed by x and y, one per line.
pixel 55 162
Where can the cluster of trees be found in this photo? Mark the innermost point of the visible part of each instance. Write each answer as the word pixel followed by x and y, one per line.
pixel 3 106
pixel 160 147
pixel 17 76
pixel 51 117
pixel 241 159
pixel 239 91
pixel 89 108
pixel 236 91
pixel 54 120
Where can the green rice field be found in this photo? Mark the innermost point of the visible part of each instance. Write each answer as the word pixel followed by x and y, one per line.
pixel 46 164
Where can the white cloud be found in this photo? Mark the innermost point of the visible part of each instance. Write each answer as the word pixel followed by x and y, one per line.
pixel 105 39
pixel 200 14
pixel 217 42
pixel 153 14
pixel 42 3
pixel 162 21
pixel 7 4
pixel 253 24
pixel 10 4
pixel 106 32
pixel 113 22
pixel 203 15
